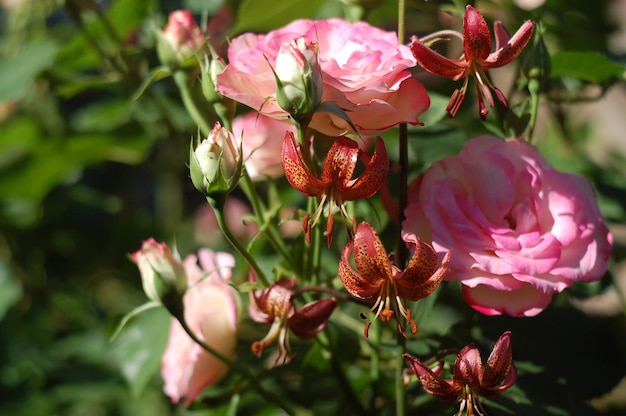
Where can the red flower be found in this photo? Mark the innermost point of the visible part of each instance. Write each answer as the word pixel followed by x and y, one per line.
pixel 469 378
pixel 378 277
pixel 274 306
pixel 477 58
pixel 335 184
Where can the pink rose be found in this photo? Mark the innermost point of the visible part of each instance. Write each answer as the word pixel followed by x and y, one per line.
pixel 519 230
pixel 262 143
pixel 364 71
pixel 180 39
pixel 211 311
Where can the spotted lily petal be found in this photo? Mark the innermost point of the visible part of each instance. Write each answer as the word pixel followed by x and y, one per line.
pixel 372 177
pixel 435 63
pixel 370 255
pixel 476 35
pixel 502 35
pixel 433 384
pixel 468 368
pixel 296 172
pixel 499 365
pixel 340 161
pixel 352 280
pixel 422 274
pixel 312 318
pixel 511 49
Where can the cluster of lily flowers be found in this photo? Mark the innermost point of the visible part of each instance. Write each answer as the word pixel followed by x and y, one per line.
pixel 496 217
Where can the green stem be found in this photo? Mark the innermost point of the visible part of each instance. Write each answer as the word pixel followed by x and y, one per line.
pixel 218 208
pixel 182 80
pixel 271 232
pixel 401 252
pixel 235 367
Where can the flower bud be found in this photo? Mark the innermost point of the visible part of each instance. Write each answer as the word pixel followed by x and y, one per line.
pixel 211 67
pixel 216 163
pixel 299 78
pixel 162 274
pixel 179 40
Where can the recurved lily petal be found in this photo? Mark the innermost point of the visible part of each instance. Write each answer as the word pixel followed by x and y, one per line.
pixel 423 274
pixel 296 173
pixel 409 289
pixel 312 318
pixel 370 255
pixel 512 48
pixel 352 280
pixel 433 384
pixel 372 178
pixel 499 364
pixel 435 63
pixel 340 161
pixel 501 34
pixel 476 35
pixel 468 368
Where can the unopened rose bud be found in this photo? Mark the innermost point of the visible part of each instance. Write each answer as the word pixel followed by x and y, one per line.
pixel 179 40
pixel 162 274
pixel 212 66
pixel 216 163
pixel 298 78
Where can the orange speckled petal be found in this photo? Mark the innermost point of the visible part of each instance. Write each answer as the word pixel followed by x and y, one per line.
pixel 372 177
pixel 296 173
pixel 352 280
pixel 340 161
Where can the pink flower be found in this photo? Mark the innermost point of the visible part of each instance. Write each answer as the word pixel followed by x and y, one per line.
pixel 519 230
pixel 364 71
pixel 162 273
pixel 211 311
pixel 180 39
pixel 262 140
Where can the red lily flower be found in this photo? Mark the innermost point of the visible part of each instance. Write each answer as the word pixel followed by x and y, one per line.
pixel 469 379
pixel 477 58
pixel 378 277
pixel 335 185
pixel 274 305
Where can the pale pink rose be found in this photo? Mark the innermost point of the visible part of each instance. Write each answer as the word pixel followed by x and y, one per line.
pixel 519 230
pixel 162 273
pixel 262 140
pixel 211 311
pixel 364 71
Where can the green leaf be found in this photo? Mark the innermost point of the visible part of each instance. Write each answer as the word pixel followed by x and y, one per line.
pixel 587 66
pixel 155 75
pixel 17 73
pixel 263 15
pixel 139 347
pixel 131 315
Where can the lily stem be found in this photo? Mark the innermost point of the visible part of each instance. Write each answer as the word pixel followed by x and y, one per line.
pixel 401 251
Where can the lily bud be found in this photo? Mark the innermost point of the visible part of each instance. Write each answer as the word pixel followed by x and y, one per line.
pixel 179 40
pixel 216 163
pixel 298 78
pixel 163 276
